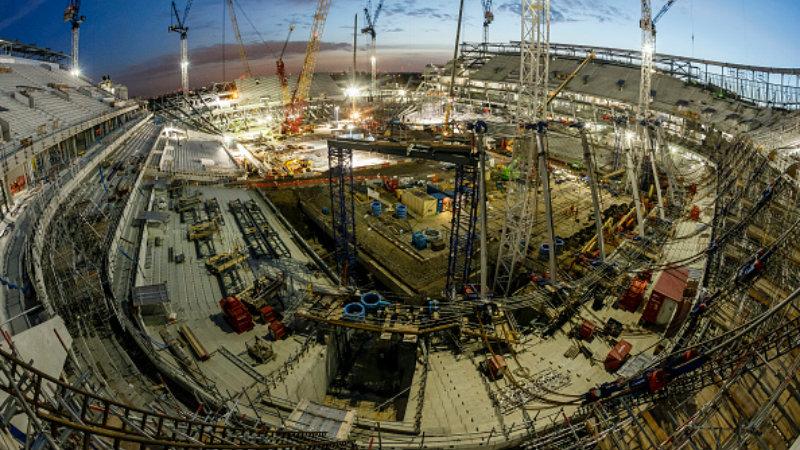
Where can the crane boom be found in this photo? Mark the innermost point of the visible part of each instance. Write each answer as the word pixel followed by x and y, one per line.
pixel 567 80
pixel 281 70
pixel 293 112
pixel 663 11
pixel 242 50
pixel 310 60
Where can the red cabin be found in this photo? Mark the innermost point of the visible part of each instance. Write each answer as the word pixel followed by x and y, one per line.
pixel 666 297
pixel 617 356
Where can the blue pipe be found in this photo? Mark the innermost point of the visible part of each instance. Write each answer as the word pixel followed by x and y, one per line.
pixel 354 311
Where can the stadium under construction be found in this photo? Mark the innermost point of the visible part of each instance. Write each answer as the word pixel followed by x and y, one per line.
pixel 533 246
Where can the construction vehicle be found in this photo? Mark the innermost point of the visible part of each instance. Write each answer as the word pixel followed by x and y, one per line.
pixel 186 203
pixel 297 166
pixel 202 230
pixel 224 262
pixel 236 314
pixel 277 330
pixel 260 350
pixel 293 113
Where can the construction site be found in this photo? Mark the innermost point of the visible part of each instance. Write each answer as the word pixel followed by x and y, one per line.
pixel 534 245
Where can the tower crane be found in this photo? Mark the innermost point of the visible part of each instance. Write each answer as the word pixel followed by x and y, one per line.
pixel 371 19
pixel 72 15
pixel 648 25
pixel 281 70
pixel 294 113
pixel 448 107
pixel 530 145
pixel 488 18
pixel 179 26
pixel 248 72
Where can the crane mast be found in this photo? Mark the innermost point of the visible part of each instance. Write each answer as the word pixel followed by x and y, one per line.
pixel 371 19
pixel 648 48
pixel 72 15
pixel 179 26
pixel 488 18
pixel 522 198
pixel 248 72
pixel 647 23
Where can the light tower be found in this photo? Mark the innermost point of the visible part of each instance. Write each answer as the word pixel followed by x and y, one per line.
pixel 72 15
pixel 179 26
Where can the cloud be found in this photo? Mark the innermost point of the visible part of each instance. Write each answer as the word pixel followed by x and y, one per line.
pixel 410 8
pixel 27 7
pixel 561 11
pixel 161 75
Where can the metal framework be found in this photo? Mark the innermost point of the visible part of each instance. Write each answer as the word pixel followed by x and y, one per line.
pixel 762 86
pixel 646 62
pixel 531 100
pixel 465 202
pixel 17 48
pixel 462 230
pixel 180 27
pixel 343 219
pixel 62 413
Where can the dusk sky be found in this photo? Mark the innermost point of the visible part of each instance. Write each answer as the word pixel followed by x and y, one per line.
pixel 129 39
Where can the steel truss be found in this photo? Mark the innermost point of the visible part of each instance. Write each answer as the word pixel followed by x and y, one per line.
pixel 521 206
pixel 762 86
pixel 462 230
pixel 343 218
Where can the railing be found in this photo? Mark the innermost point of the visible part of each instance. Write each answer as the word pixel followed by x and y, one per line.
pixel 763 86
pixel 61 405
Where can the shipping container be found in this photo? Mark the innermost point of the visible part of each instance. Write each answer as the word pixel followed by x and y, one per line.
pixel 666 296
pixel 419 202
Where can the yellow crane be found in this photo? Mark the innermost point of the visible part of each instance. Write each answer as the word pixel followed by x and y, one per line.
pixel 294 114
pixel 570 77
